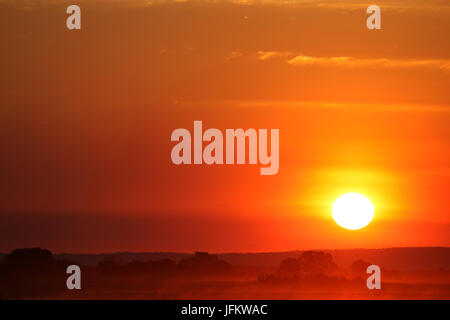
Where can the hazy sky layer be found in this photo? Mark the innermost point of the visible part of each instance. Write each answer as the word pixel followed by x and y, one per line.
pixel 86 118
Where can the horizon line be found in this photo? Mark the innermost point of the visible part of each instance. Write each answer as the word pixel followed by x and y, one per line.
pixel 226 253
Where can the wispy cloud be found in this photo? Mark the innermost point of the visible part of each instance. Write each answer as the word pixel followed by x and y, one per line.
pixel 358 62
pixel 264 55
pixel 303 60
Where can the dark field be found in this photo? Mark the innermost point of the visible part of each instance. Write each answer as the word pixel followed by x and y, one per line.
pixel 37 274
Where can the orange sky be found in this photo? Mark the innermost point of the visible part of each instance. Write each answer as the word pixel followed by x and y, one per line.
pixel 86 118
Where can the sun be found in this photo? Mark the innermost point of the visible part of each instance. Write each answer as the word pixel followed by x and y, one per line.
pixel 352 211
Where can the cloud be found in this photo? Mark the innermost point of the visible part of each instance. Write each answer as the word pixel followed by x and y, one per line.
pixel 264 55
pixel 302 60
pixel 358 62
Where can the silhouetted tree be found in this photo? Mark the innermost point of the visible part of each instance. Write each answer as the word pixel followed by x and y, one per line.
pixel 316 262
pixel 30 272
pixel 309 263
pixel 28 259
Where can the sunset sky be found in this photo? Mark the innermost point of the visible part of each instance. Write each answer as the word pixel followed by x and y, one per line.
pixel 86 118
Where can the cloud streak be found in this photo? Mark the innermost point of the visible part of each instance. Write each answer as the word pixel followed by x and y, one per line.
pixel 342 61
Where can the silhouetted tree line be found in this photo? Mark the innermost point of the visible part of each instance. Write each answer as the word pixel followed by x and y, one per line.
pixel 35 272
pixel 30 272
pixel 201 263
pixel 314 267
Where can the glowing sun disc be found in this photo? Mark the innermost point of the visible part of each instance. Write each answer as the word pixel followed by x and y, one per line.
pixel 352 211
